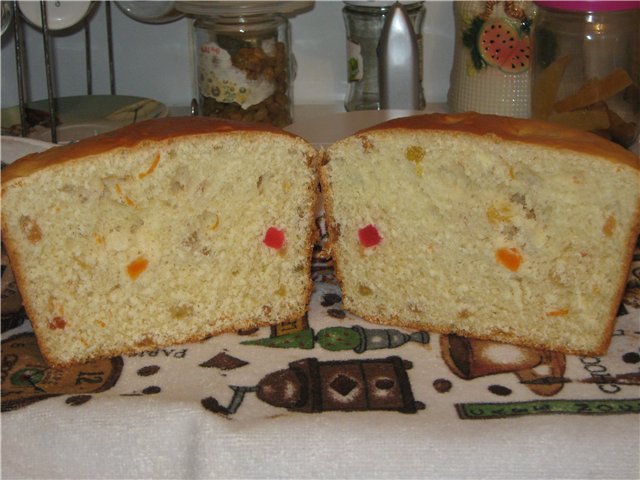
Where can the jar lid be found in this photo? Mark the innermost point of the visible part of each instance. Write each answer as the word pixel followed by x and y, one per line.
pixel 239 9
pixel 379 3
pixel 590 5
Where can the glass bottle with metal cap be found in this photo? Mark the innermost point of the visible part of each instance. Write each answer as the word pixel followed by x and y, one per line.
pixel 364 23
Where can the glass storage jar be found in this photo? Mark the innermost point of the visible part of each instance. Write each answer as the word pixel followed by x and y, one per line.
pixel 364 21
pixel 586 70
pixel 244 64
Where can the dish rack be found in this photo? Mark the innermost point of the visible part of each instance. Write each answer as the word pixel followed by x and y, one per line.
pixel 46 38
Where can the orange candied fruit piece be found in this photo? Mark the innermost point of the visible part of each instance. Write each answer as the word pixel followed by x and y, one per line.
pixel 136 267
pixel 31 229
pixel 57 323
pixel 510 258
pixel 153 166
pixel 561 312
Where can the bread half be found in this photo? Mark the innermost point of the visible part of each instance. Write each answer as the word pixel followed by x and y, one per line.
pixel 164 232
pixel 484 226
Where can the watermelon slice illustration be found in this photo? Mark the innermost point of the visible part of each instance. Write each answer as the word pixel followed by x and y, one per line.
pixel 501 45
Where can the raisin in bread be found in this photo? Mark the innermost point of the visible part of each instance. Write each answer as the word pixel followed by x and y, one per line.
pixel 484 226
pixel 164 232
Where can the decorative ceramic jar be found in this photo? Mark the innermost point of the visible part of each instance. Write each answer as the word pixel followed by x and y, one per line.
pixel 492 58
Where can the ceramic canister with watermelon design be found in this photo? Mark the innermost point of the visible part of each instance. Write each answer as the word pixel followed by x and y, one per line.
pixel 491 66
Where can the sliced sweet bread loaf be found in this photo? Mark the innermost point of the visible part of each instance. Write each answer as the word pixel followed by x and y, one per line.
pixel 165 232
pixel 483 226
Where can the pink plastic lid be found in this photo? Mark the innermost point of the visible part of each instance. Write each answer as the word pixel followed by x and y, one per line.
pixel 590 6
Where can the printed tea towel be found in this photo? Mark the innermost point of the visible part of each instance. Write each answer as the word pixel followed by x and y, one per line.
pixel 326 396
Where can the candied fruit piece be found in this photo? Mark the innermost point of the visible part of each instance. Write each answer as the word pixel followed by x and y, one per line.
pixel 364 290
pixel 216 222
pixel 609 226
pixel 125 198
pixel 510 258
pixel 181 311
pixel 274 238
pixel 414 153
pixel 57 323
pixel 369 236
pixel 31 229
pixel 151 168
pixel 500 213
pixel 561 312
pixel 136 267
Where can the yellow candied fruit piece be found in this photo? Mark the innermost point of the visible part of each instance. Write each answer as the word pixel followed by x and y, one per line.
pixel 181 311
pixel 499 213
pixel 281 292
pixel 414 153
pixel 609 225
pixel 216 222
pixel 364 290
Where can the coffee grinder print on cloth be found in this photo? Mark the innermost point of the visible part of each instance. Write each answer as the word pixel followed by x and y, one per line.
pixel 312 386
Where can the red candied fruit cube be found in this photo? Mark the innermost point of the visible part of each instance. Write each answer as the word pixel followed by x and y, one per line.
pixel 274 238
pixel 369 236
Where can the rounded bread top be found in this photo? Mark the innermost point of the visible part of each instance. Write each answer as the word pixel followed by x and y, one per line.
pixel 128 137
pixel 534 132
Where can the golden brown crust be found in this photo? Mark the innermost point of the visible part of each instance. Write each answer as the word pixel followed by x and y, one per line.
pixel 534 132
pixel 129 137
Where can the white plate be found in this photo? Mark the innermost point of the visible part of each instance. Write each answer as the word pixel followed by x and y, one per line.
pixel 16 147
pixel 60 15
pixel 150 11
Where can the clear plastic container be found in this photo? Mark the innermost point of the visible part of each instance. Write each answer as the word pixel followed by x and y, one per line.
pixel 587 67
pixel 363 23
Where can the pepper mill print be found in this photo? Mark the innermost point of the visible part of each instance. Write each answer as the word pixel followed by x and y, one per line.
pixel 335 339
